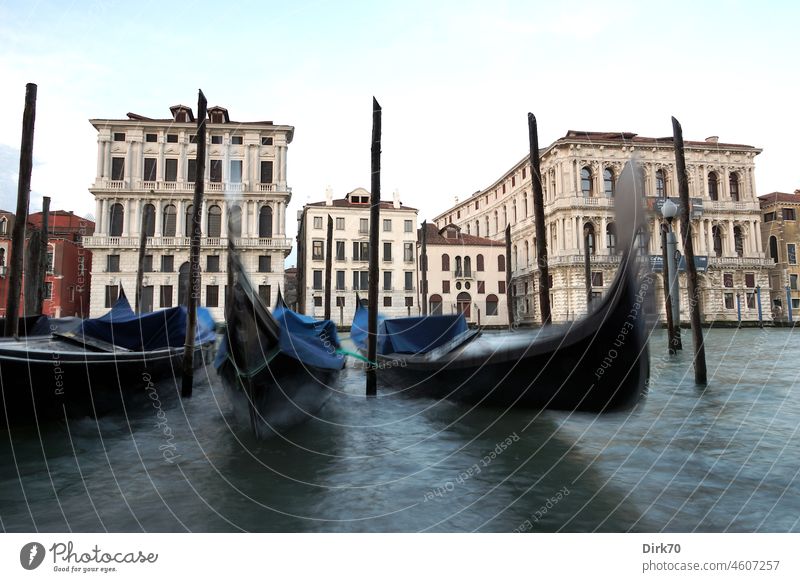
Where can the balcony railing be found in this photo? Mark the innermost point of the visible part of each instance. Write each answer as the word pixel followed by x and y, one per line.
pixel 156 242
pixel 188 186
pixel 740 262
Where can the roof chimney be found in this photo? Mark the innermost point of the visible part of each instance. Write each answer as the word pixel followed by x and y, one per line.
pixel 712 139
pixel 396 198
pixel 328 196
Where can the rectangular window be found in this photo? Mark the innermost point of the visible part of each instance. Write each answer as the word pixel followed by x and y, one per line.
pixel 360 251
pixel 340 280
pixel 236 172
pixel 408 226
pixel 340 302
pixel 112 291
pixel 266 172
pixel 788 213
pixel 317 282
pixel 363 226
pixel 212 263
pixel 49 265
pixel 728 300
pixel 117 168
pixel 193 138
pixel 165 295
pixel 167 263
pixel 409 302
pixel 151 137
pixel 236 140
pixel 481 287
pixel 216 139
pixel 119 137
pixel 727 279
pixel 215 171
pixel 769 217
pixel 340 224
pixel 172 138
pixel 265 263
pixel 150 169
pixel 445 286
pixel 791 252
pixel 147 266
pixel 793 282
pixel 360 280
pixel 112 263
pixel 491 307
pixel 265 293
pixel 191 170
pixel 387 301
pixel 339 250
pixel 266 141
pixel 501 286
pixel 387 225
pixel 795 303
pixel 597 279
pixel 408 252
pixel 318 222
pixel 171 169
pixel 317 254
pixel 751 300
pixel 750 280
pixel 318 301
pixel 409 281
pixel 387 251
pixel 48 290
pixel 212 295
pixel 387 280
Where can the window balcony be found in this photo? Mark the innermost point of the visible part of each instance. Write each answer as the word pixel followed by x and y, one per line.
pixel 161 242
pixel 187 186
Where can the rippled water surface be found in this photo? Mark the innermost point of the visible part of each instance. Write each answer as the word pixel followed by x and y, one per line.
pixel 721 459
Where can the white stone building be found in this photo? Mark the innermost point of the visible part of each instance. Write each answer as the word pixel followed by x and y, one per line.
pixel 398 291
pixel 147 166
pixel 465 273
pixel 579 172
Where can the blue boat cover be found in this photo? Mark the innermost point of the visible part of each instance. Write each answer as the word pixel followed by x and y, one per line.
pixel 148 331
pixel 408 335
pixel 308 340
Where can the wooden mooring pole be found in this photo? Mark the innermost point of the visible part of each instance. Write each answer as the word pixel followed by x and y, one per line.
pixel 328 267
pixel 538 219
pixel 41 274
pixel 21 220
pixel 374 231
pixel 142 249
pixel 700 374
pixel 194 249
pixel 509 295
pixel 667 294
pixel 423 259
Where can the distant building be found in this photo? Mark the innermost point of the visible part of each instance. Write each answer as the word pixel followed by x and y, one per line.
pixel 465 273
pixel 579 173
pixel 290 287
pixel 781 239
pixel 397 255
pixel 68 277
pixel 146 167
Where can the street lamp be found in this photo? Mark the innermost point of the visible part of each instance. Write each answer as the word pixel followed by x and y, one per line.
pixel 669 210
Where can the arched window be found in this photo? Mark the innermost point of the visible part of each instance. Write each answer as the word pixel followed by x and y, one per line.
pixel 469 228
pixel 661 184
pixel 116 219
pixel 149 220
pixel 458 267
pixel 479 263
pixel 589 237
pixel 188 221
pixel 487 226
pixel 608 182
pixel 214 221
pixel 611 237
pixel 477 228
pixel 491 305
pixel 738 240
pixel 525 201
pixel 265 222
pixel 527 254
pixel 734 186
pixel 501 263
pixel 713 186
pixel 235 221
pixel 467 267
pixel 435 305
pixel 716 234
pixel 586 181
pixel 169 223
pixel 445 263
pixel 514 211
pixel 496 223
pixel 463 303
pixel 3 226
pixel 773 249
pixel 2 257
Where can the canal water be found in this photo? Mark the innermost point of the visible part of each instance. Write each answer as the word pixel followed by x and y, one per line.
pixel 723 458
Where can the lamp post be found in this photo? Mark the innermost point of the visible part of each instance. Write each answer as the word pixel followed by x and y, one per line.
pixel 789 304
pixel 669 210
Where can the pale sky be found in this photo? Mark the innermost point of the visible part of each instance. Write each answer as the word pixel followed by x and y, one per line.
pixel 455 79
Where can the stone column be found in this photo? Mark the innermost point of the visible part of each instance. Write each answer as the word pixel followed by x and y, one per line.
pixel 129 166
pixel 602 243
pixel 710 238
pixel 107 160
pixel 100 154
pixel 98 213
pixel 180 222
pixel 224 218
pixel 102 218
pixel 159 211
pixel 757 230
pixel 731 243
pixel 181 160
pixel 160 170
pixel 701 237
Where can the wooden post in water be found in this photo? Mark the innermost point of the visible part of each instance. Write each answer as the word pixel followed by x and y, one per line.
pixel 328 267
pixel 509 296
pixel 587 268
pixel 142 249
pixel 33 256
pixel 41 275
pixel 538 219
pixel 667 294
pixel 194 249
pixel 423 259
pixel 21 220
pixel 700 375
pixel 374 226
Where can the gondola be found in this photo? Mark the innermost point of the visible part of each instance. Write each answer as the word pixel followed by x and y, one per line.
pixel 597 363
pixel 277 368
pixel 71 367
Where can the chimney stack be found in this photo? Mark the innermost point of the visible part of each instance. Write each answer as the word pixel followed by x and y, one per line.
pixel 396 198
pixel 328 196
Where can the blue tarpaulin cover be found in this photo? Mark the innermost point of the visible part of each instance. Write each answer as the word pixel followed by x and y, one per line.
pixel 148 331
pixel 408 335
pixel 308 340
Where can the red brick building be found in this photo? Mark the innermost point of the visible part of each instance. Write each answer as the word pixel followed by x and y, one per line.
pixel 69 264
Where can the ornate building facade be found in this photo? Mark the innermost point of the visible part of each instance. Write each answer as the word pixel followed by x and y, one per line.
pixel 146 167
pixel 781 239
pixel 579 173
